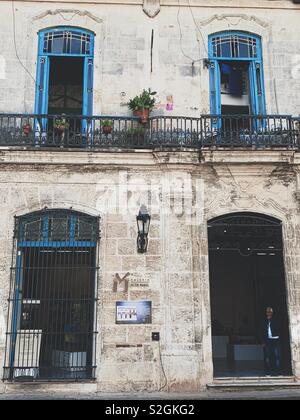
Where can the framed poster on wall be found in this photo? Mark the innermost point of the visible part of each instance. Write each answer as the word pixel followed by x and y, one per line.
pixel 134 312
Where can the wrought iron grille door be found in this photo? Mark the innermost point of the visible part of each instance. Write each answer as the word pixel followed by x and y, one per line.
pixel 51 330
pixel 246 233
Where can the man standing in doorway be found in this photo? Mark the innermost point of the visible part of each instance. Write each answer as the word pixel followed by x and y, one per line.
pixel 271 342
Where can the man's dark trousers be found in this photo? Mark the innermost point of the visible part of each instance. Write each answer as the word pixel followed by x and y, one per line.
pixel 272 357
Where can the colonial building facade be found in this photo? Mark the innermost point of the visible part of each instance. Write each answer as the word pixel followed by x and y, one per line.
pixel 86 296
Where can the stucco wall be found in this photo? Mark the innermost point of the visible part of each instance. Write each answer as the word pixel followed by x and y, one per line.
pixel 123 44
pixel 182 190
pixel 182 194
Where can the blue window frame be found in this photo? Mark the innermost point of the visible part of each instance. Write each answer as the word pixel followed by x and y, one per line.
pixel 58 230
pixel 68 42
pixel 237 46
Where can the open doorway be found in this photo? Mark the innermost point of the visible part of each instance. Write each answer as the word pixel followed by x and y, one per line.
pixel 66 85
pixel 235 89
pixel 236 76
pixel 65 72
pixel 246 276
pixel 235 97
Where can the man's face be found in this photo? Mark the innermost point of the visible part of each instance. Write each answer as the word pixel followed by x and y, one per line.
pixel 269 313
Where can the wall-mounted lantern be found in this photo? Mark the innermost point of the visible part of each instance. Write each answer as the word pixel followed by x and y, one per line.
pixel 143 224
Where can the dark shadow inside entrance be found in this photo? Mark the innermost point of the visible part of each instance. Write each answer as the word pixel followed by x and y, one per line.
pixel 246 276
pixel 58 312
pixel 66 85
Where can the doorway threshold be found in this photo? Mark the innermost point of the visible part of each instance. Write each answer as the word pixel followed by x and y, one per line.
pixel 254 382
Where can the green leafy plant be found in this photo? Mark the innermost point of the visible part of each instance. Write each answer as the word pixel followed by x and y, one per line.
pixel 107 123
pixel 61 124
pixel 146 100
pixel 136 131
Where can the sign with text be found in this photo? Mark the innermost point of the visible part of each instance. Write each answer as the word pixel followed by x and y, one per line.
pixel 134 312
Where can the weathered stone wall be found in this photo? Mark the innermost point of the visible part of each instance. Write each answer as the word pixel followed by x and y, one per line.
pixel 182 190
pixel 182 195
pixel 123 51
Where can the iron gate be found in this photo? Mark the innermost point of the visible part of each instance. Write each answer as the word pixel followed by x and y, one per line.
pixel 51 327
pixel 246 233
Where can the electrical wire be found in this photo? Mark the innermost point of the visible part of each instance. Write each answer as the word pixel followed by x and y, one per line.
pixel 15 42
pixel 198 30
pixel 197 27
pixel 181 37
pixel 163 369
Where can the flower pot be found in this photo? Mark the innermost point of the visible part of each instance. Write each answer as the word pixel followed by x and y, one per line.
pixel 26 129
pixel 107 129
pixel 60 128
pixel 143 114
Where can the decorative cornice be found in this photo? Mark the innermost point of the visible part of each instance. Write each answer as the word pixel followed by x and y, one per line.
pixel 67 14
pixel 234 19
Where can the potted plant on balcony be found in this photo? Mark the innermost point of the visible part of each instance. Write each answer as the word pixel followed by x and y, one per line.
pixel 142 105
pixel 60 125
pixel 107 126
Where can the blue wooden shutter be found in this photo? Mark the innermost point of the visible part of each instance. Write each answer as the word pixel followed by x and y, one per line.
pixel 42 83
pixel 215 91
pixel 215 87
pixel 257 99
pixel 88 86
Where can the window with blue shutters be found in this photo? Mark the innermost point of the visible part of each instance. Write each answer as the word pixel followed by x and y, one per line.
pixel 236 74
pixel 59 88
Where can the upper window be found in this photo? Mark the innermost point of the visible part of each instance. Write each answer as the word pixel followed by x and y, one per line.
pixel 234 46
pixel 67 41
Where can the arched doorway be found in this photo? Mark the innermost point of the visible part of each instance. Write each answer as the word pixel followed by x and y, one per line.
pixel 246 276
pixel 51 320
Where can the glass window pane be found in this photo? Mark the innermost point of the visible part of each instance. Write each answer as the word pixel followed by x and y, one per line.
pixel 66 42
pixel 76 46
pixel 244 49
pixel 234 46
pixel 226 49
pixel 58 46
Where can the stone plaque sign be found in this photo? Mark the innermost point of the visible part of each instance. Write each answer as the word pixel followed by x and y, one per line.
pixel 134 312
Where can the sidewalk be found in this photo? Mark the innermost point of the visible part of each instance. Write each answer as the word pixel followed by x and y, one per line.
pixel 286 394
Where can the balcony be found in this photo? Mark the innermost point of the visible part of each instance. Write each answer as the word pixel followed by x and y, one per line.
pixel 30 131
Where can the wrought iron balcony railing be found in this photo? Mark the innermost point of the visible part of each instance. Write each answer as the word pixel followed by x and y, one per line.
pixel 161 132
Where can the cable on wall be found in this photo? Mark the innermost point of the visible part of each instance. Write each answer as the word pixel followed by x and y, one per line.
pixel 181 35
pixel 15 42
pixel 197 27
pixel 163 386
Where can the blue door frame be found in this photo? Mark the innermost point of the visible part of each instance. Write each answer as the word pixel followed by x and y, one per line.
pixel 255 60
pixel 44 243
pixel 43 69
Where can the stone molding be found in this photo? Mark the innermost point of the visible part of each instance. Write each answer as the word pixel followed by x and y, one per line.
pixel 234 20
pixel 67 14
pixel 151 7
